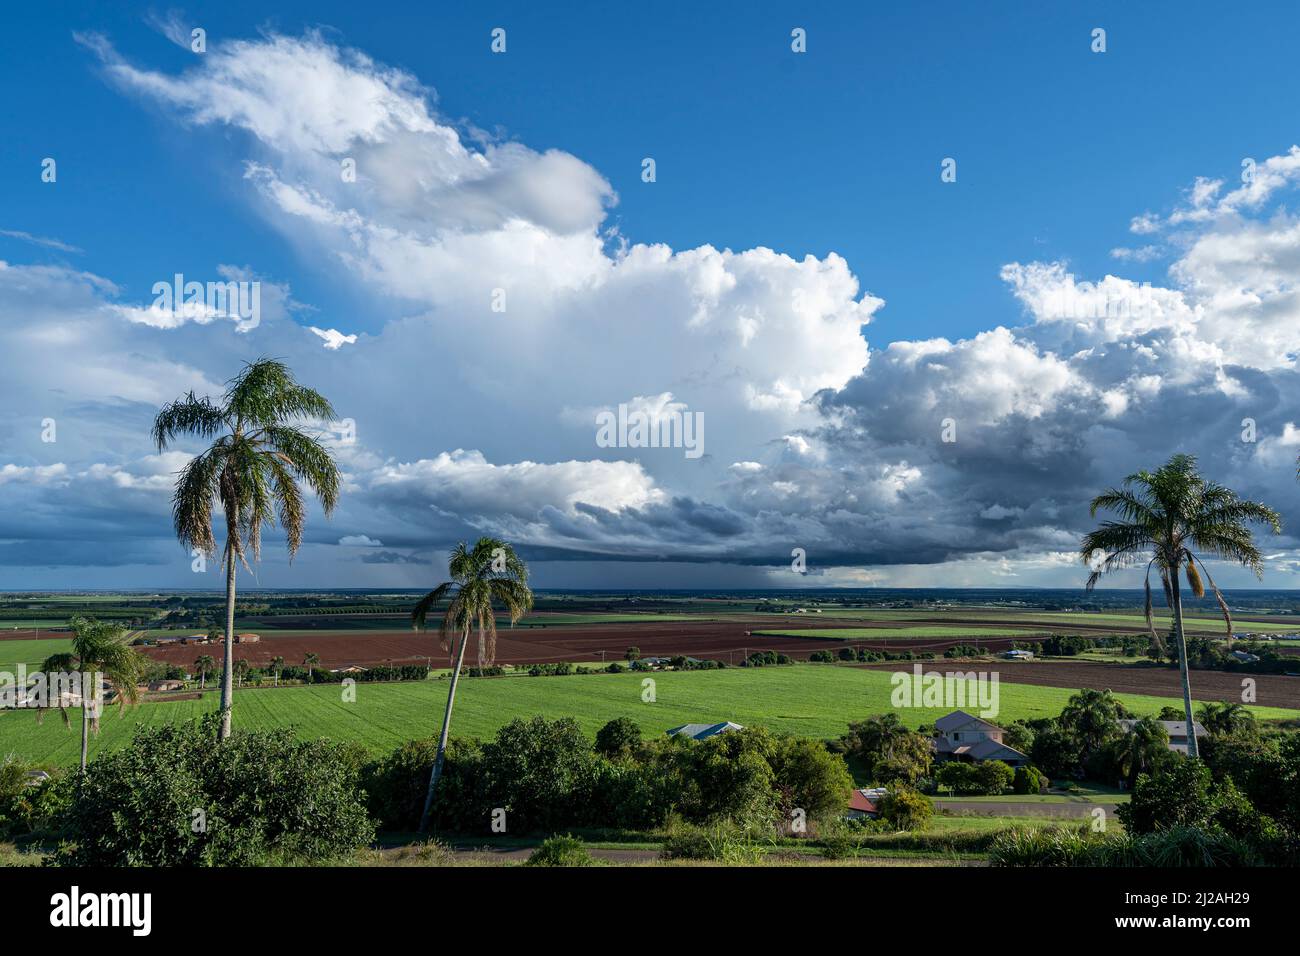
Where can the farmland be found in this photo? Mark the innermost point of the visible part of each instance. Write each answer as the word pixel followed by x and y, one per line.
pixel 882 633
pixel 812 700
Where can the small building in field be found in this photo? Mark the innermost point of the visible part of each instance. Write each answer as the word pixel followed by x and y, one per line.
pixel 247 638
pixel 961 736
pixel 1016 654
pixel 166 686
pixel 350 669
pixel 703 731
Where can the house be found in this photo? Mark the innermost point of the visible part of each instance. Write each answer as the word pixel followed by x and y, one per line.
pixel 1018 655
pixel 961 736
pixel 1176 729
pixel 865 803
pixel 350 669
pixel 1245 657
pixel 703 731
pixel 166 686
pixel 247 638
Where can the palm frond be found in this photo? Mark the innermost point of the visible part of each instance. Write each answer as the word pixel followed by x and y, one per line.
pixel 187 416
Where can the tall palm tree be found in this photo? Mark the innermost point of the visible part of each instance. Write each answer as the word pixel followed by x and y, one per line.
pixel 204 666
pixel 277 665
pixel 489 572
pixel 99 649
pixel 1167 514
pixel 252 471
pixel 310 662
pixel 241 671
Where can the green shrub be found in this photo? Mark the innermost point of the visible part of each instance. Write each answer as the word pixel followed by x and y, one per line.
pixel 618 738
pixel 906 809
pixel 542 772
pixel 1179 794
pixel 1179 846
pixel 27 808
pixel 561 851
pixel 1028 780
pixel 176 797
pixel 721 842
pixel 397 783
pixel 993 777
pixel 838 841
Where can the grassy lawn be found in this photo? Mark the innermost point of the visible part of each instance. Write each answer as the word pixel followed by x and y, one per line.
pixel 947 823
pixel 649 617
pixel 810 700
pixel 31 653
pixel 1048 799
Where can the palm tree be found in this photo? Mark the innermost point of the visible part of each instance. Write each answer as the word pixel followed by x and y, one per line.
pixel 1090 715
pixel 310 662
pixel 489 572
pixel 1224 719
pixel 1167 514
pixel 251 470
pixel 277 665
pixel 100 650
pixel 241 671
pixel 203 667
pixel 1141 747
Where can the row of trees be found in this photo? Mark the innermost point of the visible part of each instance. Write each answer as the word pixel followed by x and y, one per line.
pixel 541 775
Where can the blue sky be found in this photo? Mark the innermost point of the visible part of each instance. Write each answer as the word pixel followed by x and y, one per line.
pixel 832 154
pixel 1057 147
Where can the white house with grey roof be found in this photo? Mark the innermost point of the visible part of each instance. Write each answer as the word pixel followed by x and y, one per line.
pixel 961 736
pixel 1176 729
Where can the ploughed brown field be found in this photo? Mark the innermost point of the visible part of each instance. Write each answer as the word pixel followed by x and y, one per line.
pixel 1273 690
pixel 717 640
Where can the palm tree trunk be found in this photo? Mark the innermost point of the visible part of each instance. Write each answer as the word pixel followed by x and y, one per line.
pixel 85 730
pixel 1184 669
pixel 446 729
pixel 228 653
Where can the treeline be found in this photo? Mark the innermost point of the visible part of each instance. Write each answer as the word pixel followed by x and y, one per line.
pixel 1203 653
pixel 541 775
pixel 864 656
pixel 173 798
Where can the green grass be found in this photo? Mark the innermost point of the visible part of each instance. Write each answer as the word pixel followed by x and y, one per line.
pixel 809 700
pixel 552 619
pixel 1209 624
pixel 1048 799
pixel 880 633
pixel 31 653
pixel 946 823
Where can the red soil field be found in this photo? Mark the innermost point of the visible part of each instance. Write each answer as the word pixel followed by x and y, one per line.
pixel 717 640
